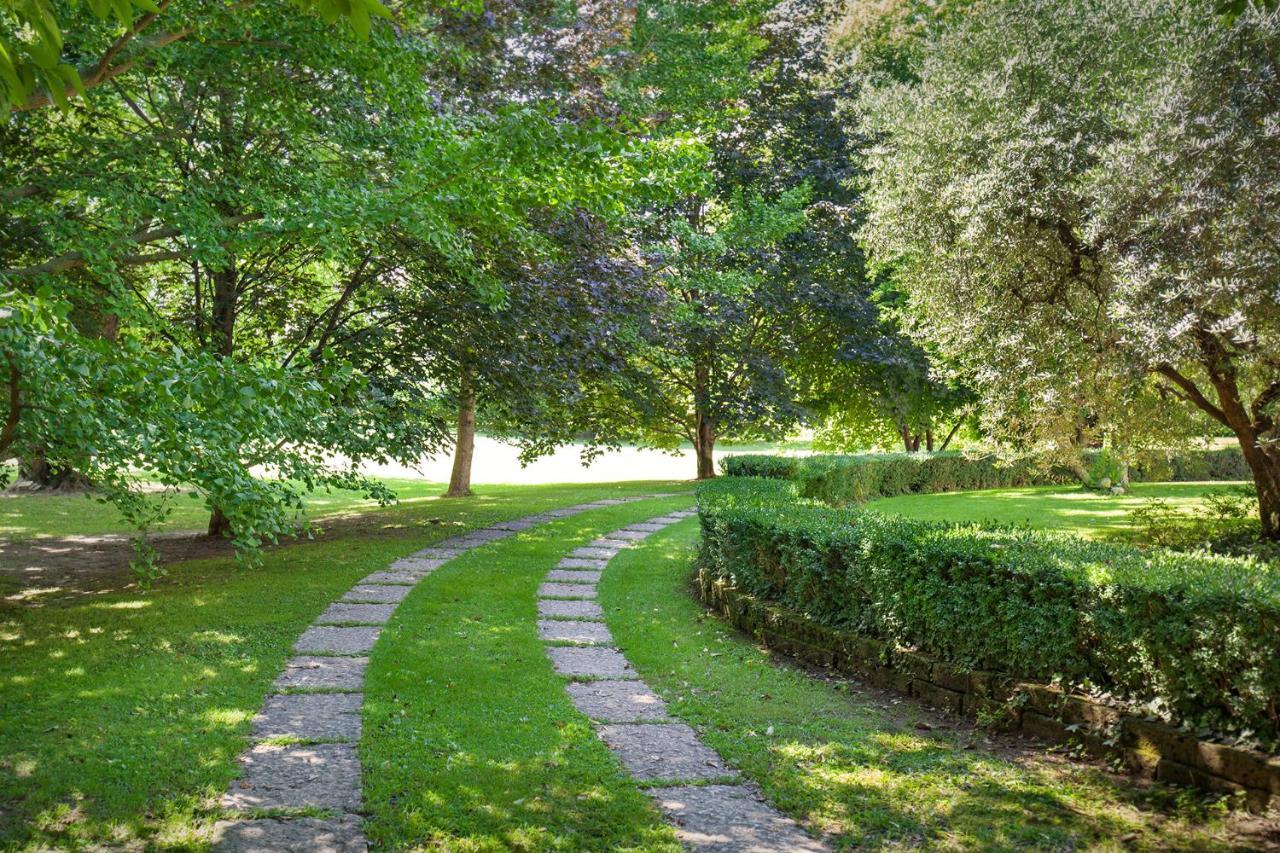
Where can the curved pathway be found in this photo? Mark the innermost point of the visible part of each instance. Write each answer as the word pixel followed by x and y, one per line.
pixel 711 808
pixel 303 760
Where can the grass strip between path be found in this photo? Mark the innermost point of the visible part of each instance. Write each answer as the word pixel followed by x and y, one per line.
pixel 123 714
pixel 852 763
pixel 470 741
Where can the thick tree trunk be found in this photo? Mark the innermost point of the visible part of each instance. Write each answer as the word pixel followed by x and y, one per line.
pixel 219 524
pixel 928 440
pixel 1265 465
pixel 464 445
pixel 36 472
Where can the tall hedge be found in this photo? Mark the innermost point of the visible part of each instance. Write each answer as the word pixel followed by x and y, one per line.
pixel 840 480
pixel 1196 638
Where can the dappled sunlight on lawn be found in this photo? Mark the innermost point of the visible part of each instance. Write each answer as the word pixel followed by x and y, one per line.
pixel 1067 508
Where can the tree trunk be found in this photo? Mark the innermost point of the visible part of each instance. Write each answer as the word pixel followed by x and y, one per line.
pixel 464 445
pixel 705 447
pixel 928 440
pixel 1265 465
pixel 704 428
pixel 219 524
pixel 36 473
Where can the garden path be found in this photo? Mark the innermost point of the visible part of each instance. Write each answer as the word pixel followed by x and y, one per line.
pixel 299 787
pixel 711 808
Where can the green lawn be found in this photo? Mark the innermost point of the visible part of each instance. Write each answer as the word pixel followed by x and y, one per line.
pixel 1067 508
pixel 852 763
pixel 470 741
pixel 123 714
pixel 30 515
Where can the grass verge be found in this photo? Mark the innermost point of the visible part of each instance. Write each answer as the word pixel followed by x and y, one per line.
pixel 123 713
pixel 852 762
pixel 470 742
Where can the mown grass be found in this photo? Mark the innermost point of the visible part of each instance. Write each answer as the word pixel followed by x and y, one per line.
pixel 1071 509
pixel 470 742
pixel 123 714
pixel 26 516
pixel 852 763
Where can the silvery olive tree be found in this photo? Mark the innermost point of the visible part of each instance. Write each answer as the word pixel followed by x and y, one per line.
pixel 1082 202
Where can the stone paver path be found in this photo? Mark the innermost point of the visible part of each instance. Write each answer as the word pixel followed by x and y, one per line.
pixel 710 807
pixel 303 758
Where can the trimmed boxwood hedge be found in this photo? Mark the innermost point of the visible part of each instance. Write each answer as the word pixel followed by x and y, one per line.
pixel 840 480
pixel 1197 638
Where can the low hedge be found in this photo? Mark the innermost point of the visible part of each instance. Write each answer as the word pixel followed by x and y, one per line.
pixel 1195 638
pixel 839 480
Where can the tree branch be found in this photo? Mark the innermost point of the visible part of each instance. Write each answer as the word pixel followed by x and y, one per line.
pixel 73 260
pixel 1192 393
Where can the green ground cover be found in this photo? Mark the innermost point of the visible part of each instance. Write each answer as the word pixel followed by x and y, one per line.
pixel 853 763
pixel 1068 508
pixel 123 713
pixel 24 516
pixel 470 741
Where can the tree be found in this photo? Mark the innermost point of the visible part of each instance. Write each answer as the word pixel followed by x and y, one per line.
pixel 1081 201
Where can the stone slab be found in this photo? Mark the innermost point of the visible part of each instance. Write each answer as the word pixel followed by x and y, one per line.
pixel 683 513
pixel 296 835
pixel 323 673
pixel 589 552
pixel 598 662
pixel 581 563
pixel 730 819
pixel 321 776
pixel 435 552
pixel 484 535
pixel 377 594
pixel 337 641
pixel 648 527
pixel 549 608
pixel 628 535
pixel 662 751
pixel 567 590
pixel 319 716
pixel 515 524
pixel 666 519
pixel 574 575
pixel 586 633
pixel 367 614
pixel 611 544
pixel 617 701
pixel 389 577
pixel 417 565
pixel 604 502
pixel 565 512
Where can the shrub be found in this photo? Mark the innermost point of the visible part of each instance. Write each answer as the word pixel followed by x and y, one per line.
pixel 841 480
pixel 1195 637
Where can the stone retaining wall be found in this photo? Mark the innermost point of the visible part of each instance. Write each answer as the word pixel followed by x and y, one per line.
pixel 1149 748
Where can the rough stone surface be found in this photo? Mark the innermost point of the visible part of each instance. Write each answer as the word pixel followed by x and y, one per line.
pixel 580 563
pixel 601 663
pixel 574 575
pixel 368 614
pixel 390 577
pixel 323 673
pixel 672 751
pixel 617 701
pixel 337 641
pixel 667 519
pixel 435 552
pixel 563 513
pixel 484 535
pixel 587 633
pixel 611 544
pixel 297 835
pixel 553 609
pixel 322 776
pixel 594 553
pixel 648 527
pixel 376 594
pixel 318 716
pixel 567 590
pixel 730 819
pixel 417 565
pixel 628 535
pixel 682 513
